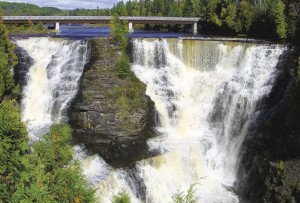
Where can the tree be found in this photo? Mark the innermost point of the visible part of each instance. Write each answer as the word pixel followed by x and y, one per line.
pixel 118 31
pixel 246 15
pixel 188 9
pixel 120 9
pixel 277 13
pixel 50 175
pixel 228 15
pixel 13 148
pixel 213 11
pixel 294 21
pixel 7 61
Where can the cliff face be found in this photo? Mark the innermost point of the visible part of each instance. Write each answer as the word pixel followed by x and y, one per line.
pixel 21 69
pixel 270 155
pixel 112 116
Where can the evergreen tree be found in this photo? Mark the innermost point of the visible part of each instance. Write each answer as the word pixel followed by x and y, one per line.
pixel 213 11
pixel 246 15
pixel 13 148
pixel 278 15
pixel 228 15
pixel 7 61
pixel 294 21
pixel 188 9
pixel 120 9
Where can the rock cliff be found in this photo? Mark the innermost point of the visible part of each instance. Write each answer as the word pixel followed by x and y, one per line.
pixel 269 160
pixel 112 116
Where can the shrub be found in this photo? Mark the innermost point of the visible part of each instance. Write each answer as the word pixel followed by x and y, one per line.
pixel 51 176
pixel 188 198
pixel 123 67
pixel 13 148
pixel 121 197
pixel 118 32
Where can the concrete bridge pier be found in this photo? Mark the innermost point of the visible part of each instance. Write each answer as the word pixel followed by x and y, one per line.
pixel 57 26
pixel 130 27
pixel 195 28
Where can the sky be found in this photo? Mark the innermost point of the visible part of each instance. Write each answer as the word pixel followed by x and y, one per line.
pixel 70 4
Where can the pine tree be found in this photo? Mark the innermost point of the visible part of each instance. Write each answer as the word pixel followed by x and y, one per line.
pixel 246 15
pixel 188 9
pixel 278 15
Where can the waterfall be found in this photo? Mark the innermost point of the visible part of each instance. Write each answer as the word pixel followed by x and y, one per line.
pixel 51 82
pixel 206 94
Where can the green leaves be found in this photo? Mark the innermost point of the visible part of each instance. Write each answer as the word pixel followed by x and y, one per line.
pixel 121 197
pixel 278 14
pixel 7 61
pixel 123 67
pixel 118 32
pixel 47 174
pixel 14 147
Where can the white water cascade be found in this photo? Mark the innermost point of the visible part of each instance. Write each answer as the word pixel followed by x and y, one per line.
pixel 52 81
pixel 205 94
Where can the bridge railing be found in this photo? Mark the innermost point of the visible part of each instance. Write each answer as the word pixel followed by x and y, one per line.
pixel 129 18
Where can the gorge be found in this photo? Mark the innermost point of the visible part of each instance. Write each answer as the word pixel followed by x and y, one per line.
pixel 204 119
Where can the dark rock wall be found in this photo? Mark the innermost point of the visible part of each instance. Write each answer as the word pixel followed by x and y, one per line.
pixel 271 149
pixel 103 115
pixel 23 66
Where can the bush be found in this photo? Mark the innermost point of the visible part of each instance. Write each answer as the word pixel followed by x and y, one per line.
pixel 50 175
pixel 123 67
pixel 13 148
pixel 188 198
pixel 121 197
pixel 7 61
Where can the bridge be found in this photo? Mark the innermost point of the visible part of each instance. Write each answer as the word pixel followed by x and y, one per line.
pixel 57 20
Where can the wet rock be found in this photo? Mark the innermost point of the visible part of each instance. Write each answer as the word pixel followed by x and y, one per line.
pixel 105 115
pixel 273 137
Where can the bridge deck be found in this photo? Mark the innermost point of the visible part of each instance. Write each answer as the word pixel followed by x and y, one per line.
pixel 99 19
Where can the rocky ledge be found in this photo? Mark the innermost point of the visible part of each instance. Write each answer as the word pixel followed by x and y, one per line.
pixel 269 160
pixel 111 116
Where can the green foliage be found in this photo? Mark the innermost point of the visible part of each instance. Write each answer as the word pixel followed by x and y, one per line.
pixel 273 19
pixel 13 148
pixel 229 15
pixel 118 32
pixel 123 67
pixel 121 197
pixel 15 9
pixel 294 21
pixel 189 197
pixel 280 166
pixel 189 9
pixel 45 172
pixel 7 61
pixel 277 13
pixel 246 16
pixel 213 10
pixel 50 174
pixel 53 149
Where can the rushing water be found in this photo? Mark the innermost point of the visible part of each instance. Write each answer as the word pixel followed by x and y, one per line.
pixel 205 93
pixel 52 81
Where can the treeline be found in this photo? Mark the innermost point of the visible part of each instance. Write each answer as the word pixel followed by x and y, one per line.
pixel 272 19
pixel 44 171
pixel 21 9
pixel 25 9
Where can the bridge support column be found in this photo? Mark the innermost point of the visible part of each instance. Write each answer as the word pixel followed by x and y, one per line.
pixel 195 28
pixel 57 26
pixel 130 27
